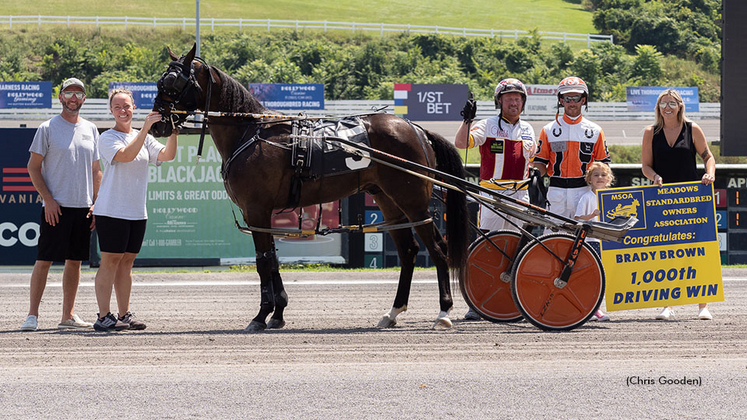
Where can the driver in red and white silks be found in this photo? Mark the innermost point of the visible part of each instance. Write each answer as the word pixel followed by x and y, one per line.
pixel 507 145
pixel 567 146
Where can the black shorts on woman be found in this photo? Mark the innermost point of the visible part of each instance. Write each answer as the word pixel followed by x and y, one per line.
pixel 120 235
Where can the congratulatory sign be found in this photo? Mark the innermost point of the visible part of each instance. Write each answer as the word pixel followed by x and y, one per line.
pixel 671 256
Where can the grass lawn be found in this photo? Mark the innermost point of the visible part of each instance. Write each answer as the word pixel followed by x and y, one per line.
pixel 545 15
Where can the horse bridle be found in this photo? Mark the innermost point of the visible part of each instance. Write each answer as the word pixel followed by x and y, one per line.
pixel 180 91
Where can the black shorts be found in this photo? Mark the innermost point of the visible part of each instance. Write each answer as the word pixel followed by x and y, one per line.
pixel 119 235
pixel 70 239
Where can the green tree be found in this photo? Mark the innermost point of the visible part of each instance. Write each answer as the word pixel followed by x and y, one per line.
pixel 647 65
pixel 588 67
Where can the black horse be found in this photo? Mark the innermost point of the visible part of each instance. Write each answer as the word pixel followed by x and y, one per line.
pixel 259 179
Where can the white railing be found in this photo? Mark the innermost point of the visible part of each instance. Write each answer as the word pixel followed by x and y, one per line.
pixel 98 110
pixel 269 24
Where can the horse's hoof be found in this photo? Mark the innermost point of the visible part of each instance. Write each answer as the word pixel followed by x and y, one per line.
pixel 275 324
pixel 387 322
pixel 255 326
pixel 443 323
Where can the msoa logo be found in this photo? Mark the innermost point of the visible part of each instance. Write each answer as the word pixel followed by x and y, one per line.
pixel 627 203
pixel 27 234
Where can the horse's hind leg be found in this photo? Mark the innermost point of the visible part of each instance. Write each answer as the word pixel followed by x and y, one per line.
pixel 272 294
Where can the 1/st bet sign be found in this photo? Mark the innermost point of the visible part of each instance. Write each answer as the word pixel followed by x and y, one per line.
pixel 429 102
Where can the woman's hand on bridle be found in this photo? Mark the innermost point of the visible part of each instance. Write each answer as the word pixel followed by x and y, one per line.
pixel 151 119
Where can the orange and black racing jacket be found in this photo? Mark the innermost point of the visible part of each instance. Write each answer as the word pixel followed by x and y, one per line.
pixel 567 147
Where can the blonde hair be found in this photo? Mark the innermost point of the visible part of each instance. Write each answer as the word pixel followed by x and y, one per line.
pixel 659 123
pixel 121 91
pixel 599 165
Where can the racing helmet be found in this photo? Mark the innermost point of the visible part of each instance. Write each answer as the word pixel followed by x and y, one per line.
pixel 510 85
pixel 572 84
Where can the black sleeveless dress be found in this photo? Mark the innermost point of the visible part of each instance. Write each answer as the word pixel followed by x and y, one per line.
pixel 676 163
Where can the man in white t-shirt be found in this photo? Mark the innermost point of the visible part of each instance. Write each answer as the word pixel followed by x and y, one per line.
pixel 64 168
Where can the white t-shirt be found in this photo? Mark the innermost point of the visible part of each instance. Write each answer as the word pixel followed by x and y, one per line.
pixel 124 187
pixel 586 205
pixel 69 151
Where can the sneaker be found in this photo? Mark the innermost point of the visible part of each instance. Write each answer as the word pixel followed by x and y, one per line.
pixel 600 316
pixel 30 324
pixel 666 315
pixel 705 314
pixel 129 319
pixel 74 323
pixel 471 315
pixel 109 323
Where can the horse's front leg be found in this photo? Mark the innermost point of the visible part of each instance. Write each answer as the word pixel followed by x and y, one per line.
pixel 407 248
pixel 272 294
pixel 281 298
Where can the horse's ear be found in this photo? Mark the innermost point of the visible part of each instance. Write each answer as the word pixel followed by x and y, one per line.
pixel 172 55
pixel 191 54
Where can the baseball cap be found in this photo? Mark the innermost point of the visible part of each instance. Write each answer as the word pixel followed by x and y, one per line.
pixel 72 82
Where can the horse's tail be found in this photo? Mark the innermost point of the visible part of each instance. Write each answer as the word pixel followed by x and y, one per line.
pixel 457 218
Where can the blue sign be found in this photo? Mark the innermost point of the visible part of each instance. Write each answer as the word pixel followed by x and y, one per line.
pixel 144 94
pixel 374 216
pixel 289 95
pixel 669 215
pixel 721 219
pixel 19 201
pixel 643 98
pixel 25 94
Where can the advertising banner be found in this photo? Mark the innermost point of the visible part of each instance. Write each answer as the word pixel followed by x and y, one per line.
pixel 643 98
pixel 25 94
pixel 430 102
pixel 289 95
pixel 144 94
pixel 191 217
pixel 542 99
pixel 20 203
pixel 671 256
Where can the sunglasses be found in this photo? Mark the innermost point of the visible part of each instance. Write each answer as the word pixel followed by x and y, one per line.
pixel 572 99
pixel 69 95
pixel 671 104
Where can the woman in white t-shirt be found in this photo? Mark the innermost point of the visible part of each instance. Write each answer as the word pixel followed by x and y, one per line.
pixel 598 176
pixel 120 210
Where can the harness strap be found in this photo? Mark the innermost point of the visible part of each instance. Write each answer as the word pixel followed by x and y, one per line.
pixel 207 110
pixel 378 227
pixel 236 153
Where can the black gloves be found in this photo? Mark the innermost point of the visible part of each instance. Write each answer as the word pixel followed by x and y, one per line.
pixel 470 110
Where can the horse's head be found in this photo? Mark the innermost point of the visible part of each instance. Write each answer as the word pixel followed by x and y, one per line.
pixel 178 89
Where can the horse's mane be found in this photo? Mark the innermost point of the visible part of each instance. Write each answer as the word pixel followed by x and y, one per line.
pixel 234 97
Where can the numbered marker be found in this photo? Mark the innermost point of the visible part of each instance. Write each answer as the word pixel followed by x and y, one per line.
pixel 374 216
pixel 373 242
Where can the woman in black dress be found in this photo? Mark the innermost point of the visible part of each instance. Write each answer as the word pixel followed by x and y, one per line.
pixel 668 155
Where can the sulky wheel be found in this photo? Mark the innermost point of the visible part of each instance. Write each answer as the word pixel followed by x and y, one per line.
pixel 482 287
pixel 547 305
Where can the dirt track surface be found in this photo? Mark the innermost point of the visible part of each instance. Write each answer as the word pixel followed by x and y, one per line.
pixel 195 361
